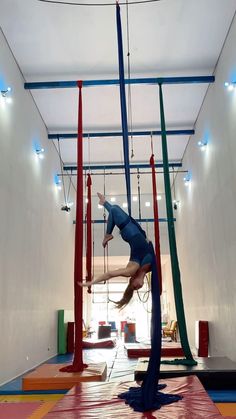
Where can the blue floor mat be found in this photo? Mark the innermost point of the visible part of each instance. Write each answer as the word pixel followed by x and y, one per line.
pixel 222 396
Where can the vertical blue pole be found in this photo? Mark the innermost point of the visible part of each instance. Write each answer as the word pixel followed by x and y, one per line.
pixel 123 108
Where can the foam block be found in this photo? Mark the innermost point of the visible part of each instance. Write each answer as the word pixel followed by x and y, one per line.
pixel 49 377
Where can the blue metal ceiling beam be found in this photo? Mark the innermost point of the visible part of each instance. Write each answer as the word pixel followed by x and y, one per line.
pixel 149 80
pixel 119 134
pixel 72 167
pixel 140 220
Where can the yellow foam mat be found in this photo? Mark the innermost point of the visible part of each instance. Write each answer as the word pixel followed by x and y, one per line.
pixel 226 409
pixel 42 410
pixel 30 398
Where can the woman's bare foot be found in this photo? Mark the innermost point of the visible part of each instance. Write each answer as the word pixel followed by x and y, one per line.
pixel 106 239
pixel 102 198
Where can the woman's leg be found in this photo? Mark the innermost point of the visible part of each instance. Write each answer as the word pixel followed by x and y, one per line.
pixel 129 270
pixel 116 217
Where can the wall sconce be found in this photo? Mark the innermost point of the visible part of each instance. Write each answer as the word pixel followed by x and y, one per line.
pixel 187 179
pixel 202 144
pixel 58 184
pixel 40 153
pixel 230 86
pixel 6 95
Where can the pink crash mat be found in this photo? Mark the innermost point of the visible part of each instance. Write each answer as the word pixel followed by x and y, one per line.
pixel 100 400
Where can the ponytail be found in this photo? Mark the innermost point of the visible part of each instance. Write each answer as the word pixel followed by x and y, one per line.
pixel 128 294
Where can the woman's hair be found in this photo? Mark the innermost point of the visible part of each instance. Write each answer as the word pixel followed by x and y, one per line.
pixel 128 294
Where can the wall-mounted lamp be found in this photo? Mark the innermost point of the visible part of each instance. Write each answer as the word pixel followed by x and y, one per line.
pixel 40 152
pixel 6 95
pixel 58 185
pixel 230 86
pixel 58 182
pixel 187 179
pixel 202 144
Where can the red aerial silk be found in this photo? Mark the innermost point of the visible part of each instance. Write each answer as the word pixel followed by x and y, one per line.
pixel 156 223
pixel 89 233
pixel 78 364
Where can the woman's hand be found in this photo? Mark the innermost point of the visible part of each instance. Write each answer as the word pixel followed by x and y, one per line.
pixel 85 284
pixel 106 239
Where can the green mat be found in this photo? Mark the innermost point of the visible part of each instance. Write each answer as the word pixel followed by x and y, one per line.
pixel 64 316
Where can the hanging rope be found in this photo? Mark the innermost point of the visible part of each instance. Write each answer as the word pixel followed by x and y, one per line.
pixel 78 364
pixel 97 4
pixel 123 108
pixel 61 165
pixel 172 241
pixel 139 196
pixel 156 222
pixel 89 233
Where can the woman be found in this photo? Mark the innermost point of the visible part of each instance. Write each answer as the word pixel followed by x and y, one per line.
pixel 140 250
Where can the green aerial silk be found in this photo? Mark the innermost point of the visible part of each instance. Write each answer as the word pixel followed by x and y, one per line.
pixel 172 242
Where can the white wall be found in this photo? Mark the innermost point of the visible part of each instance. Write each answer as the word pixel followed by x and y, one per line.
pixel 206 222
pixel 36 238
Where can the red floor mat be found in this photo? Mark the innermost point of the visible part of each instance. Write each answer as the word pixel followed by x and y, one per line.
pixel 93 401
pixel 18 410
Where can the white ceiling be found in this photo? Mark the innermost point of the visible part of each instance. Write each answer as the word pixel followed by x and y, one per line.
pixel 169 37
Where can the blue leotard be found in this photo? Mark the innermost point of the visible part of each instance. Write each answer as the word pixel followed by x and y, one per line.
pixel 130 232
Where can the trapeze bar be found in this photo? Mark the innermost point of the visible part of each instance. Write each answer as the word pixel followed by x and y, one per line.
pixel 118 166
pixel 140 220
pixel 119 134
pixel 149 80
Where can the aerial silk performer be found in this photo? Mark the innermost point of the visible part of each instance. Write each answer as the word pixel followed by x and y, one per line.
pixel 147 397
pixel 142 260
